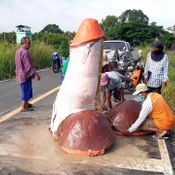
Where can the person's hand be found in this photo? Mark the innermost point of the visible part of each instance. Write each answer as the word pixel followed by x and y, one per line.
pixel 126 132
pixel 165 83
pixel 37 77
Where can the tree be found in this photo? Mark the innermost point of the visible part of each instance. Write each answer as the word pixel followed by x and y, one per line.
pixel 8 37
pixel 133 26
pixel 134 15
pixel 168 40
pixel 60 42
pixel 110 26
pixel 52 28
pixel 172 30
pixel 64 48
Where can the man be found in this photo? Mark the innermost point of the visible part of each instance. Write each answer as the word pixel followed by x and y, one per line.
pixel 155 114
pixel 24 73
pixel 115 85
pixel 156 68
pixel 115 82
pixel 64 68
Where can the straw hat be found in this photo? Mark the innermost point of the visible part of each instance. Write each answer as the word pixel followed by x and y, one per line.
pixel 140 88
pixel 89 30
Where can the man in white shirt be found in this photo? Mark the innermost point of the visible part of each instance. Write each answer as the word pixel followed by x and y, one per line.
pixel 156 68
pixel 155 114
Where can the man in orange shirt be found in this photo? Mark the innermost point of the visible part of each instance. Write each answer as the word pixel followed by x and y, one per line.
pixel 155 114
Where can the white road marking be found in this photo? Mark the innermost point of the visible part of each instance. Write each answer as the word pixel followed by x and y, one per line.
pixel 168 170
pixel 163 165
pixel 42 70
pixel 3 81
pixel 12 113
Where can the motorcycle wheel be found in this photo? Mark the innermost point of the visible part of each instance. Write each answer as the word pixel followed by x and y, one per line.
pixel 55 67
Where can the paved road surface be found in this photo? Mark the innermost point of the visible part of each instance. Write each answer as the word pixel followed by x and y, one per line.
pixel 27 148
pixel 10 91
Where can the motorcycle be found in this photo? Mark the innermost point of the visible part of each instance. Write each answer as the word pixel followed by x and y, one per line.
pixel 131 72
pixel 56 62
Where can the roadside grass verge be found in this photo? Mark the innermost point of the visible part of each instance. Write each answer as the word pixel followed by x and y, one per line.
pixel 41 56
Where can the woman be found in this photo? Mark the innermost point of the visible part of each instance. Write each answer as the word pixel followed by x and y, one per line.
pixel 156 69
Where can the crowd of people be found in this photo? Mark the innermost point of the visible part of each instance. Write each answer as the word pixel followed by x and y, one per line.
pixel 155 114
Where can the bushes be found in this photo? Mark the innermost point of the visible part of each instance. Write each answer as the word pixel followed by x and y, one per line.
pixel 7 64
pixel 169 91
pixel 41 56
pixel 58 41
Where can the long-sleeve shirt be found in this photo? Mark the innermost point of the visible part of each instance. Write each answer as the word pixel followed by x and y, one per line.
pixel 65 66
pixel 115 80
pixel 24 67
pixel 145 111
pixel 158 71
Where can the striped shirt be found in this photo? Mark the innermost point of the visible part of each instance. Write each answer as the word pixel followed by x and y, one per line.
pixel 145 111
pixel 115 80
pixel 158 69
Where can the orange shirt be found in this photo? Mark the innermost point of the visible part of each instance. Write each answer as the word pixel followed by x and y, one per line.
pixel 161 113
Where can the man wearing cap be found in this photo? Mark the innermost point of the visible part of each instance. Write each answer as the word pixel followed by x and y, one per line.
pixel 155 114
pixel 156 68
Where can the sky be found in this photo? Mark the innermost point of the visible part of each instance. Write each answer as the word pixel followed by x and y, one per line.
pixel 68 14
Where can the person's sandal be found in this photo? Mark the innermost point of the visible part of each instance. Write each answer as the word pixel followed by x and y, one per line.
pixel 26 110
pixel 30 105
pixel 165 137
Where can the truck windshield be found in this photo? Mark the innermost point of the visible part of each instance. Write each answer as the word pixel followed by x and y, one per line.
pixel 114 45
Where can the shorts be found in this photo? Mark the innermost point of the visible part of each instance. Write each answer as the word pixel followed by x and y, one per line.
pixel 26 90
pixel 115 84
pixel 147 124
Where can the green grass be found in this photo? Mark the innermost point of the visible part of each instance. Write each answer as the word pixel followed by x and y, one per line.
pixel 7 64
pixel 169 91
pixel 41 57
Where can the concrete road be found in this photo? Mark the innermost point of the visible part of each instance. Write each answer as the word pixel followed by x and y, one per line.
pixel 10 90
pixel 27 148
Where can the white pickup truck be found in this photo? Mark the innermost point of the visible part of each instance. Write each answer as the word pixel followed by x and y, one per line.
pixel 116 49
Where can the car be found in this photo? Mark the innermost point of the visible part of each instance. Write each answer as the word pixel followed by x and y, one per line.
pixel 117 49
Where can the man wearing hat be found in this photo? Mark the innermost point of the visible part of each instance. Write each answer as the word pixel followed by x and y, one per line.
pixel 155 114
pixel 156 68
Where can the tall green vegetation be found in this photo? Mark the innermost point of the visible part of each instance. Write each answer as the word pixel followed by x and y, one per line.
pixel 169 91
pixel 50 39
pixel 53 35
pixel 41 55
pixel 7 64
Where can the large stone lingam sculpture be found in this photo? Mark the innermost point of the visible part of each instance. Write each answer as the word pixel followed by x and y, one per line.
pixel 79 128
